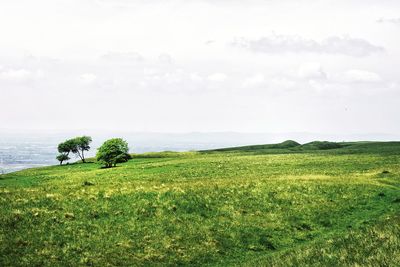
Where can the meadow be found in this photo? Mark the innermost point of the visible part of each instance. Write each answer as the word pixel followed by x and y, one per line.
pixel 269 205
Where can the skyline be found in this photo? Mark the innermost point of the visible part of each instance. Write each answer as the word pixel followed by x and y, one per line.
pixel 198 66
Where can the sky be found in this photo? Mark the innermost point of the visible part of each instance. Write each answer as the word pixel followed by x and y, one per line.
pixel 200 66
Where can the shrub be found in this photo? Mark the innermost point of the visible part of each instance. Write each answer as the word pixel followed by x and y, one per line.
pixel 113 151
pixel 62 157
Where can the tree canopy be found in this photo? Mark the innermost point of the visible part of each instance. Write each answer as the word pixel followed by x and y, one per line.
pixel 77 146
pixel 82 144
pixel 62 157
pixel 113 151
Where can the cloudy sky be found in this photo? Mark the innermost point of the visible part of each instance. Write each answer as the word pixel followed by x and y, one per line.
pixel 200 65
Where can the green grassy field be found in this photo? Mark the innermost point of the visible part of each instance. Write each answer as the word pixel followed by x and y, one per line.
pixel 285 205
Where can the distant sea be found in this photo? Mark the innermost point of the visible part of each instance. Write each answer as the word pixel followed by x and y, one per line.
pixel 16 155
pixel 23 150
pixel 27 150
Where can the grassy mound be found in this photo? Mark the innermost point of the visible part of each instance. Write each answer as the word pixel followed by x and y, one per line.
pixel 313 207
pixel 322 145
pixel 284 145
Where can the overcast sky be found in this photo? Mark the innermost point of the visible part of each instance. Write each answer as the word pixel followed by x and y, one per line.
pixel 181 66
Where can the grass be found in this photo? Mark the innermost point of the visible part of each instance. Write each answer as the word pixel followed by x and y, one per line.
pixel 259 205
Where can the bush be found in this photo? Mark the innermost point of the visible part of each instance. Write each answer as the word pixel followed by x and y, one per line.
pixel 62 157
pixel 113 151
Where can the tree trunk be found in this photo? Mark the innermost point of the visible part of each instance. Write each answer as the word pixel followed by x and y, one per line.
pixel 83 157
pixel 79 155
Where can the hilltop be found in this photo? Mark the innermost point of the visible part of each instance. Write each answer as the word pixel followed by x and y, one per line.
pixel 320 203
pixel 291 146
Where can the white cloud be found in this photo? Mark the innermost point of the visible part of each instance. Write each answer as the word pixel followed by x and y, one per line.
pixel 120 4
pixel 165 58
pixel 88 78
pixel 277 82
pixel 19 75
pixel 361 76
pixel 311 71
pixel 173 77
pixel 195 77
pixel 389 20
pixel 150 71
pixel 253 81
pixel 122 57
pixel 282 82
pixel 295 44
pixel 217 77
pixel 209 42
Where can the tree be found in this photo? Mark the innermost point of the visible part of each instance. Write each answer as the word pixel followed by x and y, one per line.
pixel 81 144
pixel 62 157
pixel 113 151
pixel 77 146
pixel 64 149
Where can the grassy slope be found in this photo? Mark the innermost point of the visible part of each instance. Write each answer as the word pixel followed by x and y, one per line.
pixel 258 206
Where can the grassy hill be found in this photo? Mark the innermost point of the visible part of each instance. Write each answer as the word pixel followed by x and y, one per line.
pixel 271 205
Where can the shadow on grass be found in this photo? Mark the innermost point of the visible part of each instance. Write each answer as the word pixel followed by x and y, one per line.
pixel 104 167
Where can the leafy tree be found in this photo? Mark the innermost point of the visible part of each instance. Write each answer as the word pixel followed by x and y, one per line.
pixel 64 149
pixel 81 144
pixel 113 151
pixel 62 157
pixel 77 146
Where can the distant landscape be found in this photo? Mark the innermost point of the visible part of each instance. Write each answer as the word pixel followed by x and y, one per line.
pixel 286 204
pixel 19 150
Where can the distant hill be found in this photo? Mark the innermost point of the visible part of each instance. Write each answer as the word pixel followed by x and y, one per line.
pixel 291 146
pixel 285 204
pixel 284 145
